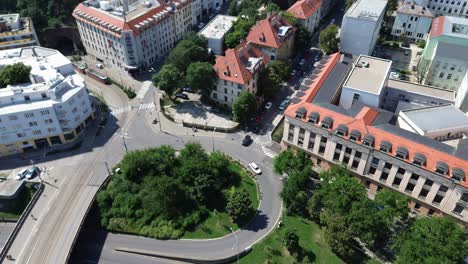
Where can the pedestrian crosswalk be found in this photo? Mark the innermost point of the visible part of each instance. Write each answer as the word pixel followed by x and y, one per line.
pixel 269 152
pixel 119 111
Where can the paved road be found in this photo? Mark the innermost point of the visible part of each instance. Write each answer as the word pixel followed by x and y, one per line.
pixel 5 230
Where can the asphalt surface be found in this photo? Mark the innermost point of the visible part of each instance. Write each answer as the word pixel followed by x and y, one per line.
pixel 5 230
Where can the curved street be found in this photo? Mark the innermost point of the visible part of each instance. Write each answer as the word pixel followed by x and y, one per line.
pixel 74 177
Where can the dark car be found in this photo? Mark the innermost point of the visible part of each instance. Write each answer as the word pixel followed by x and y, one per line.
pixel 182 96
pixel 246 141
pixel 187 89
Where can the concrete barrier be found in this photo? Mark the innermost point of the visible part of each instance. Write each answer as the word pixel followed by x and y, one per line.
pixel 211 128
pixel 20 222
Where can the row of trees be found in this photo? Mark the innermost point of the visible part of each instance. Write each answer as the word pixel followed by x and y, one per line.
pixel 14 74
pixel 160 194
pixel 339 203
pixel 189 63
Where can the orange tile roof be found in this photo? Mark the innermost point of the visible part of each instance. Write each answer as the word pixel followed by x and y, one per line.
pixel 233 66
pixel 265 32
pixel 304 9
pixel 363 123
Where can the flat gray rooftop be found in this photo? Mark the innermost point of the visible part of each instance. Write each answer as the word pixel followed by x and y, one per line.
pixel 421 89
pixel 436 118
pixel 371 78
pixel 10 187
pixel 367 9
pixel 218 27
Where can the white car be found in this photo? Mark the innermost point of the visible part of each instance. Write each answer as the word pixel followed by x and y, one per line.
pixel 21 174
pixel 268 105
pixel 255 168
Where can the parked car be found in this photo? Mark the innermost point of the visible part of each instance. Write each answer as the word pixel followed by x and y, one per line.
pixel 246 141
pixel 182 96
pixel 268 105
pixel 394 75
pixel 255 168
pixel 21 174
pixel 32 172
pixel 99 66
pixel 187 89
pixel 283 105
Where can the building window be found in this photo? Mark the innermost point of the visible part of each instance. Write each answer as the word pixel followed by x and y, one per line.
pixel 319 161
pixel 423 193
pixel 28 115
pixel 383 176
pixel 27 98
pixel 464 197
pixel 410 187
pixel 397 181
pixel 36 132
pixel 34 123
pixel 441 75
pixel 417 206
pixel 13 117
pixel 458 209
pixel 437 199
pixel 431 212
pixel 45 112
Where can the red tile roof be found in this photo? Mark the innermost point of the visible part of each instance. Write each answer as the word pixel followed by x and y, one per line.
pixel 304 9
pixel 265 32
pixel 233 66
pixel 363 122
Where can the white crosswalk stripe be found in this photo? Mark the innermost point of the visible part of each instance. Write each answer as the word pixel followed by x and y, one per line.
pixel 270 153
pixel 122 110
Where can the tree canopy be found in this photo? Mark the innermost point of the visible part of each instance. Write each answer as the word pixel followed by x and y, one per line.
pixel 14 74
pixel 432 240
pixel 192 48
pixel 168 79
pixel 239 206
pixel 201 77
pixel 240 30
pixel 328 39
pixel 159 194
pixel 244 107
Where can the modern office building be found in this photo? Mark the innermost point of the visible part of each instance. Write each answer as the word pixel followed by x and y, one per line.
pixel 412 20
pixel 204 8
pixel 451 123
pixel 238 71
pixel 307 13
pixel 366 81
pixel 361 26
pixel 378 152
pixel 16 32
pixel 215 32
pixel 132 35
pixel 446 52
pixel 446 7
pixel 274 36
pixel 52 109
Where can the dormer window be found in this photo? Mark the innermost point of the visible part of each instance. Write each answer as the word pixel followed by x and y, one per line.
pixel 386 146
pixel 458 174
pixel 342 130
pixel 301 112
pixel 355 135
pixel 368 140
pixel 402 153
pixel 327 122
pixel 441 168
pixel 419 159
pixel 314 117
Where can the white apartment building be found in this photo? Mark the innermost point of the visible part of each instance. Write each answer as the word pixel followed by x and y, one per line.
pixel 447 52
pixel 16 32
pixel 366 81
pixel 446 7
pixel 132 35
pixel 52 109
pixel 307 13
pixel 216 30
pixel 237 71
pixel 413 20
pixel 361 26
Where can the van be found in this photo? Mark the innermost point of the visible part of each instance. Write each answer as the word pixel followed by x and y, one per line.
pixel 21 174
pixel 283 105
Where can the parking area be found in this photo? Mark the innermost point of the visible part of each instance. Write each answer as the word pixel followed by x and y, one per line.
pixel 403 59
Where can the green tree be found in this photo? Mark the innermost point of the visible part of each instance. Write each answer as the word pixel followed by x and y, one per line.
pixel 190 49
pixel 328 39
pixel 232 11
pixel 338 235
pixel 291 241
pixel 268 85
pixel 201 77
pixel 239 206
pixel 391 6
pixel 365 222
pixel 244 107
pixel 394 205
pixel 288 161
pixel 289 17
pixel 432 240
pixel 302 39
pixel 294 192
pixel 14 74
pixel 168 79
pixel 240 30
pixel 279 69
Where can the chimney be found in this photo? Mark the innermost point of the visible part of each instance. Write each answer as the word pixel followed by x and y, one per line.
pixel 262 37
pixel 227 72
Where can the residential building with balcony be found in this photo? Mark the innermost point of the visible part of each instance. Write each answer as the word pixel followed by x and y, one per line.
pixel 361 26
pixel 274 36
pixel 307 13
pixel 238 71
pixel 132 35
pixel 52 109
pixel 215 32
pixel 412 20
pixel 16 32
pixel 379 153
pixel 447 53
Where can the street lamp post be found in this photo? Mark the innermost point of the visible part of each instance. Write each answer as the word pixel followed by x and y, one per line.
pixel 237 242
pixel 212 139
pixel 123 141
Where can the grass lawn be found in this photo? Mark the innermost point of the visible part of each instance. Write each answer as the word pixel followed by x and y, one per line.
pixel 23 199
pixel 311 238
pixel 278 133
pixel 218 223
